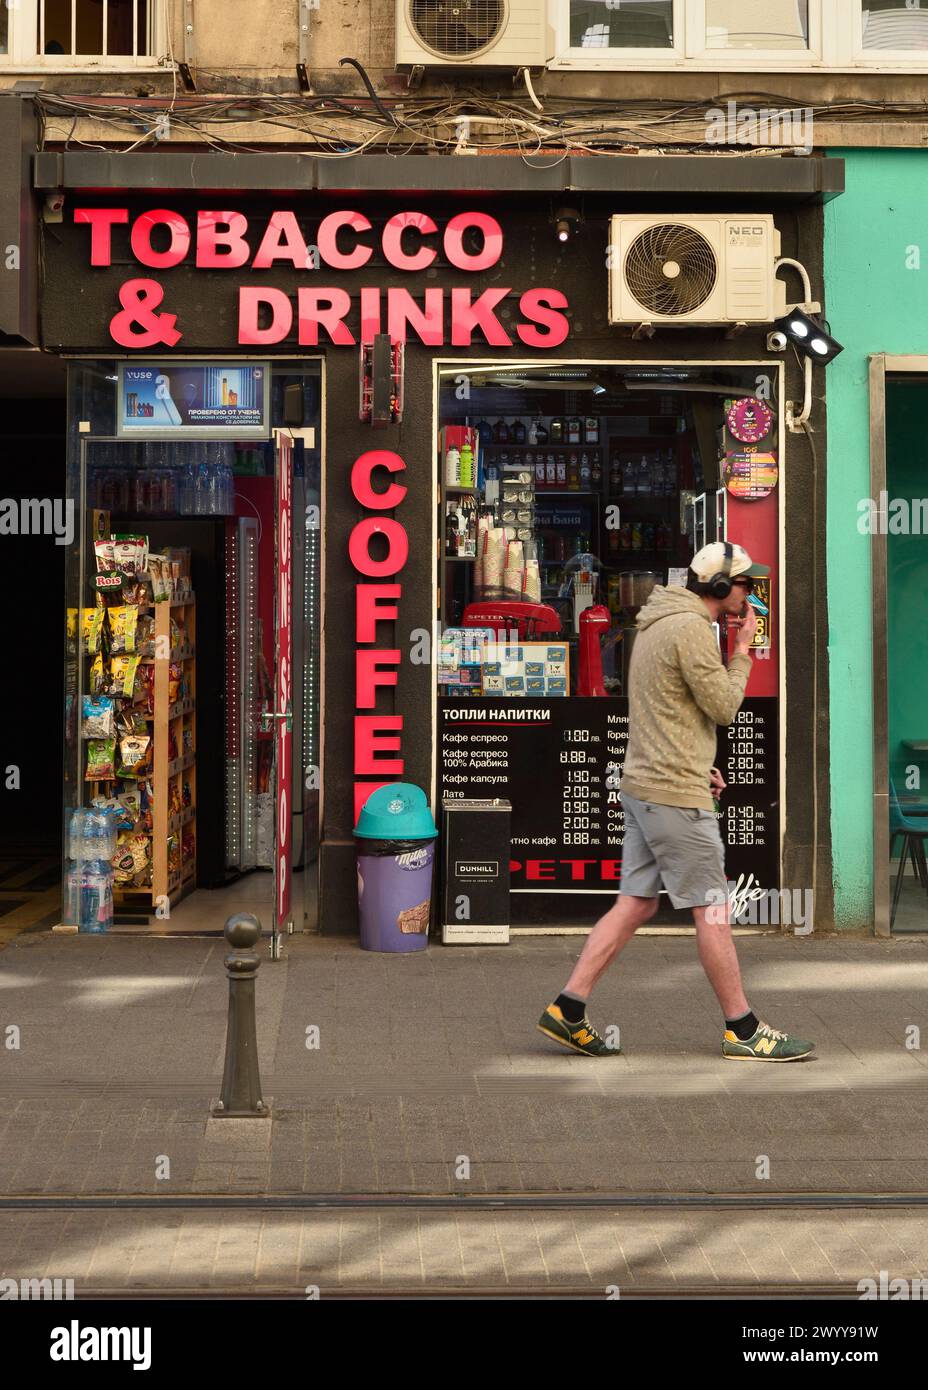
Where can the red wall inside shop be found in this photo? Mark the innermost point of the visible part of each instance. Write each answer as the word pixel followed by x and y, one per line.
pixel 753 525
pixel 260 493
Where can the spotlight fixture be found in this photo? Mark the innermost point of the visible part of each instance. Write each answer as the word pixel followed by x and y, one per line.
pixel 809 336
pixel 566 221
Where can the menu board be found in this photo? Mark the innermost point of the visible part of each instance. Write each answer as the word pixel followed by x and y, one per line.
pixel 559 762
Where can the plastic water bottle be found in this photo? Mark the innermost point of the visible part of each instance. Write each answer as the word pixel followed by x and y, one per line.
pixel 96 897
pixel 201 492
pixel 75 834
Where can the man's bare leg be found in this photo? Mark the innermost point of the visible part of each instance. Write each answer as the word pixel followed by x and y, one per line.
pixel 612 933
pixel 719 959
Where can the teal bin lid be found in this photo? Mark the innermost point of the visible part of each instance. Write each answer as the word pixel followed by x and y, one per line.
pixel 399 811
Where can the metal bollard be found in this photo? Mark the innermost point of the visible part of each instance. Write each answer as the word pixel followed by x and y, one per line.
pixel 241 1084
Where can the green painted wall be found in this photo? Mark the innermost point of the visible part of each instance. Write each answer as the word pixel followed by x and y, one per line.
pixel 877 301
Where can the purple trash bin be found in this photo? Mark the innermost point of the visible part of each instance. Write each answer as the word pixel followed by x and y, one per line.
pixel 395 893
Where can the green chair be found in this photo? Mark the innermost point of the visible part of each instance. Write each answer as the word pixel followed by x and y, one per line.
pixel 914 836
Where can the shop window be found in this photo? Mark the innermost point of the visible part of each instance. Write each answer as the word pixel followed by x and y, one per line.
pixel 573 497
pixel 75 32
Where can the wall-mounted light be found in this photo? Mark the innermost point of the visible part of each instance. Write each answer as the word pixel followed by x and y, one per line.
pixel 809 336
pixel 566 221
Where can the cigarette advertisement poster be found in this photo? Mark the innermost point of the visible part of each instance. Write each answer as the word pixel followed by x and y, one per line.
pixel 204 400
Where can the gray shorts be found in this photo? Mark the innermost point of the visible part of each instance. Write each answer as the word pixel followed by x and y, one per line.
pixel 674 847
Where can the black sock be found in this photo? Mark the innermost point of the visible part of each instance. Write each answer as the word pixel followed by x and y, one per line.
pixel 744 1027
pixel 573 1009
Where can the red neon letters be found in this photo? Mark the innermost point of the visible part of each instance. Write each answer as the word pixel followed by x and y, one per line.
pixel 377 737
pixel 472 242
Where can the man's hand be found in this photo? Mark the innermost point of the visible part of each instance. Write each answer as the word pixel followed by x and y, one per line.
pixel 717 783
pixel 747 626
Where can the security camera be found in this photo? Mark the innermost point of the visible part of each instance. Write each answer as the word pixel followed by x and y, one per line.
pixel 777 342
pixel 54 207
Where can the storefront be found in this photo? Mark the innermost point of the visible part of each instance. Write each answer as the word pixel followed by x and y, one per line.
pixel 535 462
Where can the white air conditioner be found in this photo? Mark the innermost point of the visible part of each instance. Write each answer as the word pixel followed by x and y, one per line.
pixel 471 33
pixel 677 268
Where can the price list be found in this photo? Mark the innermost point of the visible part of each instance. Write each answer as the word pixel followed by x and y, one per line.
pixel 559 762
pixel 748 759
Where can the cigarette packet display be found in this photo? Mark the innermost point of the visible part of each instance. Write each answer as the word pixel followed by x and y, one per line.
pixel 532 668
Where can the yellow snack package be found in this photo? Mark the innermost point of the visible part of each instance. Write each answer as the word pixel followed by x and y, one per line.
pixel 91 628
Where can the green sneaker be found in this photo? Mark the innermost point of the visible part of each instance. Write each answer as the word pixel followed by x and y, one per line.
pixel 581 1037
pixel 767 1045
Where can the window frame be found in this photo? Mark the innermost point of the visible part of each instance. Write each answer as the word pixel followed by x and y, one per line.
pixel 834 46
pixel 23 55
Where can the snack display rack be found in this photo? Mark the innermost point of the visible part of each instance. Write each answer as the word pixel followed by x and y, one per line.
pixel 173 876
pixel 146 617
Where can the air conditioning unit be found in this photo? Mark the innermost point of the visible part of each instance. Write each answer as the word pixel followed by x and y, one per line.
pixel 471 33
pixel 694 270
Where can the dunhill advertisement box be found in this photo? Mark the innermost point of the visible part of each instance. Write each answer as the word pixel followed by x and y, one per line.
pixel 475 885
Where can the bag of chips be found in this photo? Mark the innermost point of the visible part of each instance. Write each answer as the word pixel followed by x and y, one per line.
pixel 97 711
pixel 91 628
pixel 132 860
pixel 130 553
pixel 134 752
pixel 101 758
pixel 123 622
pixel 159 573
pixel 99 677
pixel 106 559
pixel 122 675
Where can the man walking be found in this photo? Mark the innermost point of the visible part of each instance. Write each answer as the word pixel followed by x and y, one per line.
pixel 679 692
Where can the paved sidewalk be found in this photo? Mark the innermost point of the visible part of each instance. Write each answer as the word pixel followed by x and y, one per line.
pixel 292 1254
pixel 430 1076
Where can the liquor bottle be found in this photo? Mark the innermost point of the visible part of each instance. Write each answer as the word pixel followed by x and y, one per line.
pixel 596 471
pixel 562 470
pixel 533 432
pixel 517 433
pixel 501 431
pixel 574 430
pixel 540 478
pixel 615 476
pixel 573 473
pixel 550 471
pixel 591 430
pixel 585 472
pixel 643 478
pixel 557 430
pixel 628 475
pixel 541 432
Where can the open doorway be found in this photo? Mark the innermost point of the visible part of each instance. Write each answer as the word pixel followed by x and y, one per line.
pixel 191 722
pixel 898 524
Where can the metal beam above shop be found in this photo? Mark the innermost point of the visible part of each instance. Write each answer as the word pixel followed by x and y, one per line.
pixel 773 179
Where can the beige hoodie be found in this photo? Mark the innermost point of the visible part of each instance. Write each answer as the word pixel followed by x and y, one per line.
pixel 679 691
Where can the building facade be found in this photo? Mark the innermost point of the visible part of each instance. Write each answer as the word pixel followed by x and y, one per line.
pixel 456 185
